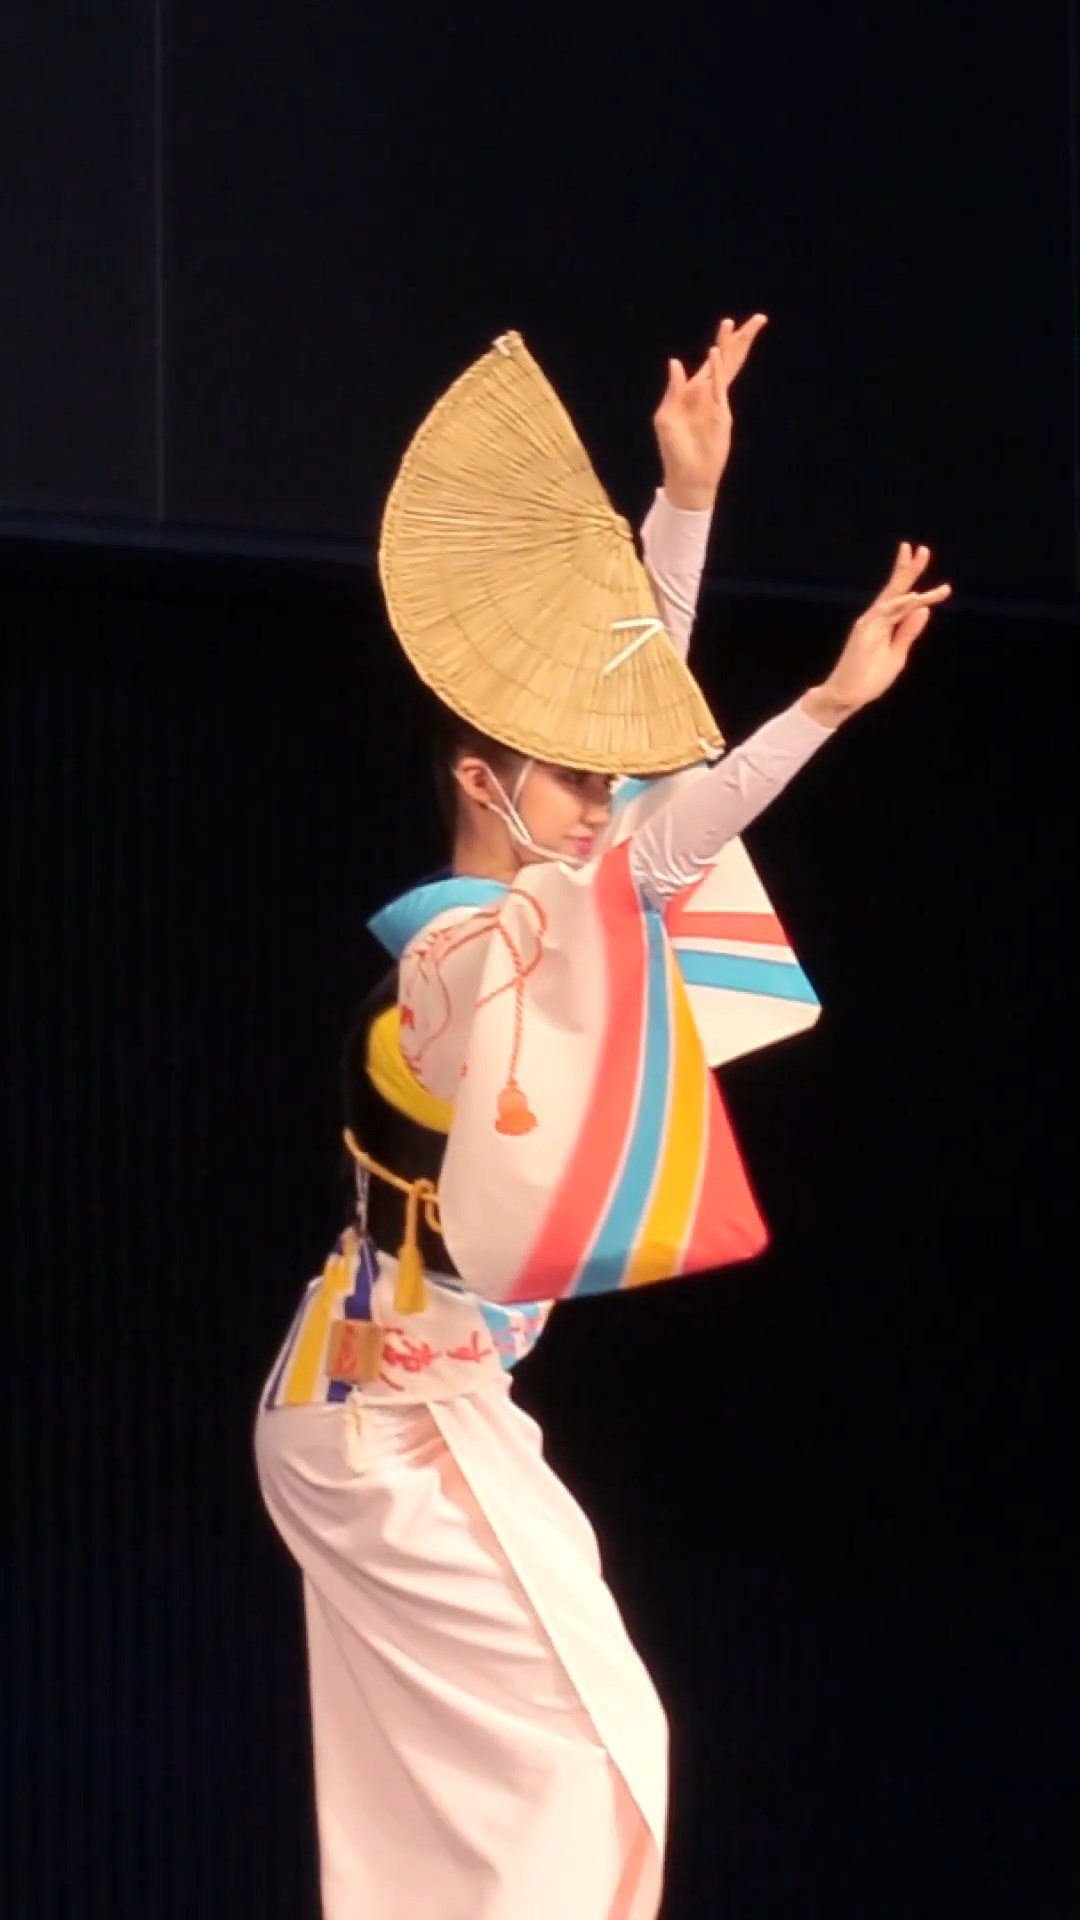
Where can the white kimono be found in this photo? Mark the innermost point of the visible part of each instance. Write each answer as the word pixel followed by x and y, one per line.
pixel 488 1744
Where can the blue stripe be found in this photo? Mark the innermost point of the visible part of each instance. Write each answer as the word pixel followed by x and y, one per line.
pixel 628 790
pixel 402 919
pixel 497 1321
pixel 358 1302
pixel 779 979
pixel 606 1263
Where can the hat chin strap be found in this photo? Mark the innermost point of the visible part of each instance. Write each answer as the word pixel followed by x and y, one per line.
pixel 515 825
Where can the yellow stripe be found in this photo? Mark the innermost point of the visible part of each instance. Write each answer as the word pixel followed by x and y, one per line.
pixel 390 1076
pixel 302 1378
pixel 663 1238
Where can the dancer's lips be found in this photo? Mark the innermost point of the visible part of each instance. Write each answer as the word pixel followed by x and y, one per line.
pixel 582 843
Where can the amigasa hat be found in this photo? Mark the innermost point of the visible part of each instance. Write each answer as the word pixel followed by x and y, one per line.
pixel 515 588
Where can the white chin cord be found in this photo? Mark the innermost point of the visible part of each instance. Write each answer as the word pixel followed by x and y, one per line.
pixel 515 825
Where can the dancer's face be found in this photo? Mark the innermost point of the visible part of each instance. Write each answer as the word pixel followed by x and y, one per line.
pixel 564 809
pixel 561 808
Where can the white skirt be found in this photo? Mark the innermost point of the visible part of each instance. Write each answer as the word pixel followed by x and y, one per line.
pixel 488 1744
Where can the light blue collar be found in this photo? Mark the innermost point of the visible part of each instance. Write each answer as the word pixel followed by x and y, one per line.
pixel 401 920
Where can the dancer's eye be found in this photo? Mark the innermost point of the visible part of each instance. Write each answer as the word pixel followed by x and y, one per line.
pixel 582 782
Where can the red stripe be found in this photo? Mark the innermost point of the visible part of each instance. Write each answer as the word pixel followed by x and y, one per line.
pixel 683 920
pixel 728 1225
pixel 570 1222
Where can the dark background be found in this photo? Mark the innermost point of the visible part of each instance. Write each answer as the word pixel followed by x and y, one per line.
pixel 243 252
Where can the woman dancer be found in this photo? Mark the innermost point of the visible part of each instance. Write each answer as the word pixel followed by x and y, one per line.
pixel 532 1117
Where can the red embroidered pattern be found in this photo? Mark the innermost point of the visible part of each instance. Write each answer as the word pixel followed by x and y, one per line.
pixel 513 1114
pixel 416 1356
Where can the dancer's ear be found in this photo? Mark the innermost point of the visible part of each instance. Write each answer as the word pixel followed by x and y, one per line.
pixel 474 778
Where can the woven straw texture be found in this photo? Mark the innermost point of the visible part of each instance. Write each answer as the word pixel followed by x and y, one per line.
pixel 506 571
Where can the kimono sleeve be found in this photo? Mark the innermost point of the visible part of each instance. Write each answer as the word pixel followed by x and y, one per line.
pixel 438 983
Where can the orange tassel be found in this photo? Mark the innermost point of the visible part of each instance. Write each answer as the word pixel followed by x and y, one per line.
pixel 513 1113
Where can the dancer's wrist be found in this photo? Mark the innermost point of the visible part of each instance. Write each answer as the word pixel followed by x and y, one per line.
pixel 689 495
pixel 826 706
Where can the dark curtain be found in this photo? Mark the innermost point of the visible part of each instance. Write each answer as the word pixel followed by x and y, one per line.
pixel 830 1487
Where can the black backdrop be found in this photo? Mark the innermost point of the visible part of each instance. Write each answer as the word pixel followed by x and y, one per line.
pixel 831 1488
pixel 248 246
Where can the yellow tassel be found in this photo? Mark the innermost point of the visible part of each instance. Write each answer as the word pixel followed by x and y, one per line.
pixel 410 1293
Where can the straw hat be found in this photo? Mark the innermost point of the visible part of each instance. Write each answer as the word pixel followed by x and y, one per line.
pixel 515 588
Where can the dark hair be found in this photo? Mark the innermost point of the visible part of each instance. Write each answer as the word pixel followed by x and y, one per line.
pixel 451 739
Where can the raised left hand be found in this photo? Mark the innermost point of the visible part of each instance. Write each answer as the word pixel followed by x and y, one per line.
pixel 693 420
pixel 877 648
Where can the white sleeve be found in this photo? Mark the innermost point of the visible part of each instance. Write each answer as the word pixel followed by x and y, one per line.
pixel 673 544
pixel 438 983
pixel 682 838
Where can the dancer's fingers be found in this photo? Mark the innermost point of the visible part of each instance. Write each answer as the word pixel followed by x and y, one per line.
pixel 736 342
pixel 910 562
pixel 897 604
pixel 909 630
pixel 897 579
pixel 719 376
